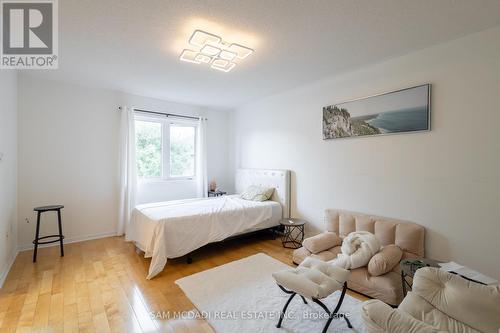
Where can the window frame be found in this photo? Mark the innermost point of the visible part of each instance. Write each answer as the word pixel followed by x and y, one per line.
pixel 166 122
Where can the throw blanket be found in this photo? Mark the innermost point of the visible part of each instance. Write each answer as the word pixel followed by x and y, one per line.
pixel 357 250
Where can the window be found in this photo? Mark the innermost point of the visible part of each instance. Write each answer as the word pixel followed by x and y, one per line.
pixel 182 150
pixel 165 148
pixel 148 140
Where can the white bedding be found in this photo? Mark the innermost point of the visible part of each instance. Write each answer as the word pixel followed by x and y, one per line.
pixel 175 228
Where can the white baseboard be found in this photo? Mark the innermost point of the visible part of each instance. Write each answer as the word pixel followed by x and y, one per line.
pixel 69 240
pixel 6 270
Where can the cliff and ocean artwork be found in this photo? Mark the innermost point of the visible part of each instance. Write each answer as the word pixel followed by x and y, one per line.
pixel 406 110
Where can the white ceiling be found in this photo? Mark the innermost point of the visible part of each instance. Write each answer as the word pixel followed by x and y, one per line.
pixel 133 46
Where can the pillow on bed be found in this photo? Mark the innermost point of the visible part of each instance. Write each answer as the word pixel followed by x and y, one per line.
pixel 257 193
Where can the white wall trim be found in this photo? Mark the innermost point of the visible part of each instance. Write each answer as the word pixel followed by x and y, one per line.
pixel 27 247
pixel 5 272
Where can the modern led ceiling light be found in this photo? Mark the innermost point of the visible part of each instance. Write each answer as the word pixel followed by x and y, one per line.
pixel 222 65
pixel 210 49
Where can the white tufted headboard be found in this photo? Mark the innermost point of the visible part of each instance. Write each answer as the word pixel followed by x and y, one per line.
pixel 279 179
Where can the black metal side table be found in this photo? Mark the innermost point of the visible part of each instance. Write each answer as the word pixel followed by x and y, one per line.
pixel 293 233
pixel 59 237
pixel 216 193
pixel 410 266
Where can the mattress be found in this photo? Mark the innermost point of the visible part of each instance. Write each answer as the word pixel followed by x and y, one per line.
pixel 175 228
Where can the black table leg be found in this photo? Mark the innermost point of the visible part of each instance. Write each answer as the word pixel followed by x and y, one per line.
pixel 291 240
pixel 405 283
pixel 36 236
pixel 60 232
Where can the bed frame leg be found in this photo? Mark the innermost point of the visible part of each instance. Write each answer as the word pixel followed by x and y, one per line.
pixel 189 260
pixel 274 233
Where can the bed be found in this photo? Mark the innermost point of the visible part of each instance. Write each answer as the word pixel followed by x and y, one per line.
pixel 174 229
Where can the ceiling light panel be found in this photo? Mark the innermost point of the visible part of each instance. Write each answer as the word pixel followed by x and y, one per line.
pixel 201 38
pixel 189 56
pixel 202 58
pixel 223 65
pixel 241 51
pixel 210 50
pixel 207 48
pixel 226 55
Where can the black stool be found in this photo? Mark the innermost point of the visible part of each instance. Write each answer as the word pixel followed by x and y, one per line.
pixel 60 237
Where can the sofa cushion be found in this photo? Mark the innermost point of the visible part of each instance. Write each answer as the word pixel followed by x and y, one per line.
pixel 385 260
pixel 332 220
pixel 380 317
pixel 346 224
pixel 302 253
pixel 365 223
pixel 322 242
pixel 327 255
pixel 422 310
pixel 385 231
pixel 386 288
pixel 455 296
pixel 410 238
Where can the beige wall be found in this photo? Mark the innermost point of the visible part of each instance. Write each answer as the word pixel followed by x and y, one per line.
pixel 447 179
pixel 8 170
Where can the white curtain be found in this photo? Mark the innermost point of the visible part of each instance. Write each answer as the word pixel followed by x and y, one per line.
pixel 201 158
pixel 128 173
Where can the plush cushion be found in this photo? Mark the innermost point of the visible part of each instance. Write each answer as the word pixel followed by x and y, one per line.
pixel 410 237
pixel 385 231
pixel 313 278
pixel 257 193
pixel 332 220
pixel 423 311
pixel 440 300
pixel 456 296
pixel 385 260
pixel 322 242
pixel 386 288
pixel 346 224
pixel 302 253
pixel 365 223
pixel 379 317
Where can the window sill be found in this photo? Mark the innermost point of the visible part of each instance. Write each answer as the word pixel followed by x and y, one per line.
pixel 163 180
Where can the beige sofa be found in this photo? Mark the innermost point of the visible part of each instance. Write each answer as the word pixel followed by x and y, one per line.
pixel 406 235
pixel 440 302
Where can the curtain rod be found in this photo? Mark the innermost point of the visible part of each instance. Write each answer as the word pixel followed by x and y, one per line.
pixel 164 114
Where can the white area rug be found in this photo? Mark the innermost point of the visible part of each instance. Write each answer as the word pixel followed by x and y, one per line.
pixel 242 296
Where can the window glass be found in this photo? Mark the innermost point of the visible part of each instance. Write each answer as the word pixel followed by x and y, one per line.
pixel 182 150
pixel 148 136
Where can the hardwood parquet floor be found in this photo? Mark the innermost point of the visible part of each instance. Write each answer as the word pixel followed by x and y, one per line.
pixel 100 286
